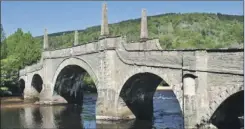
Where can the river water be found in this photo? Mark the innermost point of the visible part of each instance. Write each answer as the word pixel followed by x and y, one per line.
pixel 167 115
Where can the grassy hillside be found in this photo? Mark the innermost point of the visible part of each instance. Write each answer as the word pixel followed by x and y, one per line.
pixel 192 30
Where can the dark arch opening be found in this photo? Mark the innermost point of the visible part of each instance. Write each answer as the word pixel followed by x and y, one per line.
pixel 138 93
pixel 72 83
pixel 37 82
pixel 21 86
pixel 189 75
pixel 227 115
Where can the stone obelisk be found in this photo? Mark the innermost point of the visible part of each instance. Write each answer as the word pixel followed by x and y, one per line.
pixel 45 39
pixel 104 23
pixel 75 38
pixel 143 29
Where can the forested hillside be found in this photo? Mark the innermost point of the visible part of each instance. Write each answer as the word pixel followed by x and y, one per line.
pixel 193 30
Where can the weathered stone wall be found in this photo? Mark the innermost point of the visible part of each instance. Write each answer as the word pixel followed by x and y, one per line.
pixel 231 80
pixel 219 73
pixel 143 46
pixel 226 61
pixel 30 69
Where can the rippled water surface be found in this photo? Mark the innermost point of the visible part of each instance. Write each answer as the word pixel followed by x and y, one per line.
pixel 166 115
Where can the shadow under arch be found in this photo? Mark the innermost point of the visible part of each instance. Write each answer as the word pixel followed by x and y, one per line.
pixel 37 82
pixel 188 75
pixel 226 116
pixel 75 61
pixel 71 83
pixel 138 91
pixel 21 86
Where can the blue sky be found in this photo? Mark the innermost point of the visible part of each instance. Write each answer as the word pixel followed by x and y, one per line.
pixel 59 16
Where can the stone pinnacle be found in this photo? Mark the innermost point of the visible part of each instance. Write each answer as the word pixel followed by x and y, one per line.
pixel 143 29
pixel 45 39
pixel 104 23
pixel 76 38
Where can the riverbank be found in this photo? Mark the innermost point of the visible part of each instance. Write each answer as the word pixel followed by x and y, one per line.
pixel 15 102
pixel 19 102
pixel 11 99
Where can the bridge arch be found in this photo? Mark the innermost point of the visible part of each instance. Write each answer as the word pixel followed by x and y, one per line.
pixel 137 93
pixel 230 108
pixel 37 82
pixel 174 83
pixel 69 79
pixel 78 62
pixel 138 70
pixel 22 85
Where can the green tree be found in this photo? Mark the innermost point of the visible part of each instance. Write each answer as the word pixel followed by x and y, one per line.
pixel 2 33
pixel 22 50
pixel 3 44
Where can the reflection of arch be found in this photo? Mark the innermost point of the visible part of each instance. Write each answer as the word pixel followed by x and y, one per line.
pixel 75 61
pixel 137 92
pixel 64 117
pixel 22 85
pixel 36 115
pixel 37 82
pixel 227 113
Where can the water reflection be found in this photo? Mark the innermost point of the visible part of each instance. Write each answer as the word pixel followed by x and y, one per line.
pixel 166 115
pixel 69 117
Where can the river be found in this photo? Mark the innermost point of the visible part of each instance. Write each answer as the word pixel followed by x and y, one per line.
pixel 167 115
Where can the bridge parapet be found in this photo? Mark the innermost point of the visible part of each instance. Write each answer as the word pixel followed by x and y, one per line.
pixel 31 68
pixel 216 60
pixel 206 60
pixel 109 43
pixel 148 45
pixel 22 72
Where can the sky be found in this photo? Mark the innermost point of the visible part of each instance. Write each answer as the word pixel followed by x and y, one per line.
pixel 59 16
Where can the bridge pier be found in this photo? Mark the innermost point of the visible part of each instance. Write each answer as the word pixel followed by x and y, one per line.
pixel 30 93
pixel 109 106
pixel 46 94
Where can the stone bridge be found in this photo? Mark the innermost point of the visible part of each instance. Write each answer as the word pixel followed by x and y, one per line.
pixel 208 83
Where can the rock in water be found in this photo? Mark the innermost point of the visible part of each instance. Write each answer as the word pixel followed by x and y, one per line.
pixel 58 99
